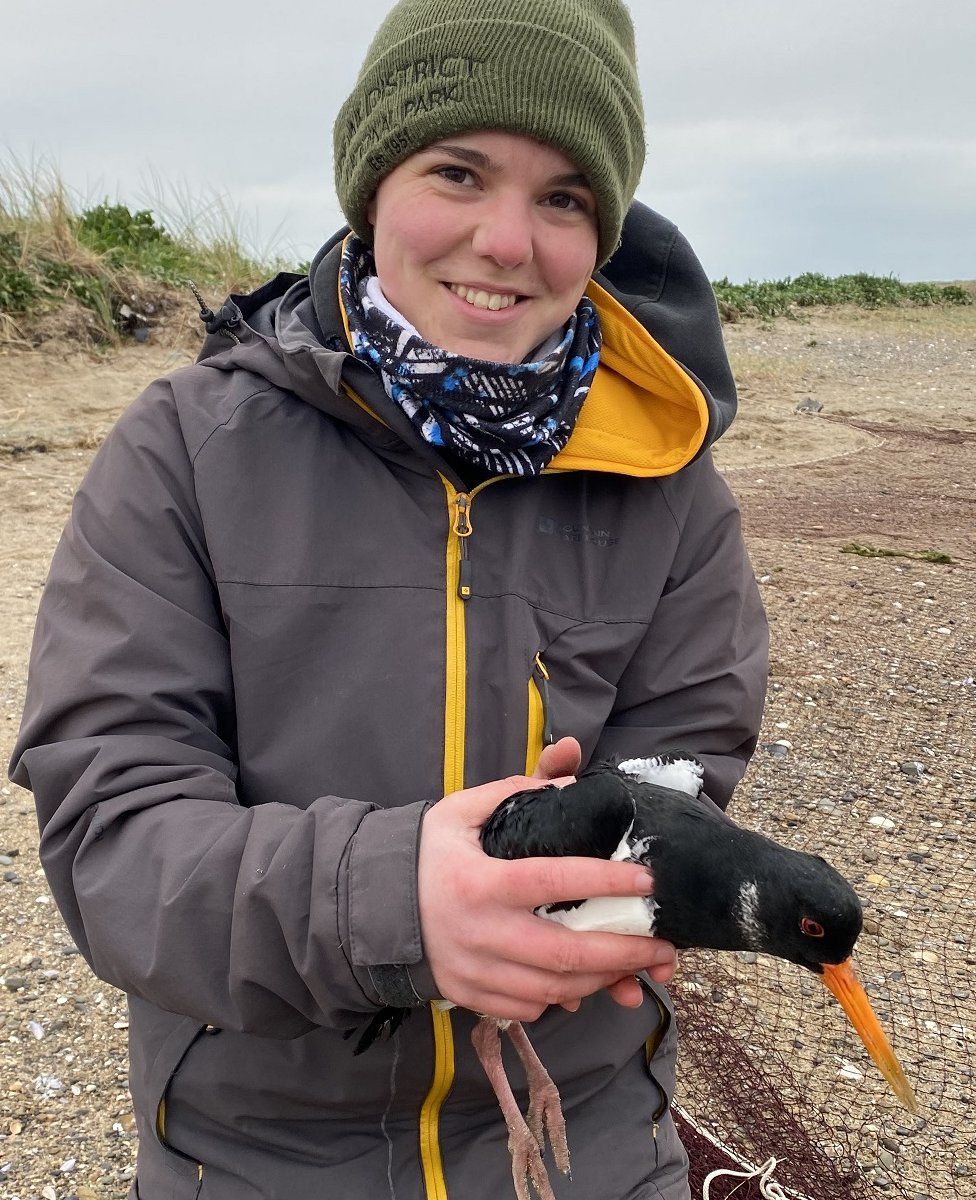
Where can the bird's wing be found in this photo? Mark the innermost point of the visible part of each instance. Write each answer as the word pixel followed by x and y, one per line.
pixel 589 817
pixel 671 769
pixel 651 798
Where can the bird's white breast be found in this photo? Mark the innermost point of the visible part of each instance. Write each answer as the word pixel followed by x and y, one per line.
pixel 608 914
pixel 612 914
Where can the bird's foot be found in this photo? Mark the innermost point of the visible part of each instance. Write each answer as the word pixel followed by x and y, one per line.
pixel 527 1164
pixel 545 1116
pixel 523 1145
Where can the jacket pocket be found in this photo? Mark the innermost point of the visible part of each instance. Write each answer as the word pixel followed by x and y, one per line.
pixel 652 1046
pixel 170 1059
pixel 539 733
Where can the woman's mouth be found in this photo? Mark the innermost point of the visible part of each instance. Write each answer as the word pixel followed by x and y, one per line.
pixel 480 298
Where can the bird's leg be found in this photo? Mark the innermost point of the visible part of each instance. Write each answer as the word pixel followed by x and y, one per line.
pixel 527 1161
pixel 545 1110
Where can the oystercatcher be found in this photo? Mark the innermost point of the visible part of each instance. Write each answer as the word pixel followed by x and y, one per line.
pixel 716 886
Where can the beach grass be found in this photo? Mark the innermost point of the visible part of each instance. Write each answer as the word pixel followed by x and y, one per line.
pixel 92 271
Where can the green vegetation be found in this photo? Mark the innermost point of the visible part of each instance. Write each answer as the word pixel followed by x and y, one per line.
pixel 61 255
pixel 93 265
pixel 782 297
pixel 932 556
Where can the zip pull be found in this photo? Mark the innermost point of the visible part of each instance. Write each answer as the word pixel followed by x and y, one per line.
pixel 462 515
pixel 462 528
pixel 464 572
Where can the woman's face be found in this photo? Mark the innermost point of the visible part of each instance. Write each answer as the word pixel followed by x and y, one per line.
pixel 485 242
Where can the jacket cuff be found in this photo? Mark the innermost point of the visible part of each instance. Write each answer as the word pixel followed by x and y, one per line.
pixel 382 911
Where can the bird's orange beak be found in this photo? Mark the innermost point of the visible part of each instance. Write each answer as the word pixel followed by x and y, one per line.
pixel 845 986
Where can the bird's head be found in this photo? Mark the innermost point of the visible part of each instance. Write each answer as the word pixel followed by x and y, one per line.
pixel 818 931
pixel 811 917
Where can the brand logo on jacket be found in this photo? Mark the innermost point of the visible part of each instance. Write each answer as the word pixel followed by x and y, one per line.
pixel 570 532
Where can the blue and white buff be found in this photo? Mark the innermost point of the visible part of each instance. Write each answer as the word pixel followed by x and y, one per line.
pixel 503 418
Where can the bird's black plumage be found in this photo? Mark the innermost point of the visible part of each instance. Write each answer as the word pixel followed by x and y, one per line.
pixel 716 885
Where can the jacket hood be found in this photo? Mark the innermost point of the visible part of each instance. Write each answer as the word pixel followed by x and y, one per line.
pixel 663 393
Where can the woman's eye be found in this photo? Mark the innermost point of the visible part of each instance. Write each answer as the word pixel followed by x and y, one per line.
pixel 566 202
pixel 454 174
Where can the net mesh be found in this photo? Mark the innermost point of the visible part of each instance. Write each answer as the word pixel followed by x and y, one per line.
pixel 884 790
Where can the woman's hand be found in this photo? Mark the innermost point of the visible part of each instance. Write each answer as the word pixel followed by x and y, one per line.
pixel 487 950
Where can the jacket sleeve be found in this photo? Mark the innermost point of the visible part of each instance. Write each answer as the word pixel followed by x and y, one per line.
pixel 697 682
pixel 255 919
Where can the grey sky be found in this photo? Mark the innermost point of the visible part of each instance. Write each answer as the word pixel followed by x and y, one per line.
pixel 783 136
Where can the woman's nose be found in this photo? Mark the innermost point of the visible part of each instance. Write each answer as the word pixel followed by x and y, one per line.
pixel 504 233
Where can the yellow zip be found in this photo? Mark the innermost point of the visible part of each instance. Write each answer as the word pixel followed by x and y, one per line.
pixel 454 718
pixel 457 592
pixel 651 1047
pixel 536 737
pixel 161 1134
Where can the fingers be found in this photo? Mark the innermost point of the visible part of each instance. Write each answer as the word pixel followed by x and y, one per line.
pixel 527 991
pixel 663 972
pixel 562 758
pixel 540 943
pixel 627 992
pixel 475 805
pixel 531 882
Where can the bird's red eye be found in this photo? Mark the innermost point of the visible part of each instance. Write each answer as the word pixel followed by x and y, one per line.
pixel 811 928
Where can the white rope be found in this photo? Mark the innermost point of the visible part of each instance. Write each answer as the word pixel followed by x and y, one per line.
pixel 769 1189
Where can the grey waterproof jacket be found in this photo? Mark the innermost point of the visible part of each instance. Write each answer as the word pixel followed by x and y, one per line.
pixel 276 629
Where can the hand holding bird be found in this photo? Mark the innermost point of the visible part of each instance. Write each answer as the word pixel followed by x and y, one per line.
pixel 486 949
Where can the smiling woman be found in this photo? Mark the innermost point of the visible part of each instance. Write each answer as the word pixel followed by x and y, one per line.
pixel 485 245
pixel 427 526
pixel 483 266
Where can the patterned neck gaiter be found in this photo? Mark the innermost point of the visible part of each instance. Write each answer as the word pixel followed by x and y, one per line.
pixel 505 419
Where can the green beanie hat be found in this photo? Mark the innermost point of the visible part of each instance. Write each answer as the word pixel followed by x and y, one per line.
pixel 561 71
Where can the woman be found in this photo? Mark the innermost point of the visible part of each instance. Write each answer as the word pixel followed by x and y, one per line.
pixel 422 513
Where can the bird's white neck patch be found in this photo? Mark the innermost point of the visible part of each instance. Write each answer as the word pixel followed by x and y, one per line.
pixel 753 930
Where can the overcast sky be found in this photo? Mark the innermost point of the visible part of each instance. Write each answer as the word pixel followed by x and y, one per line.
pixel 783 135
